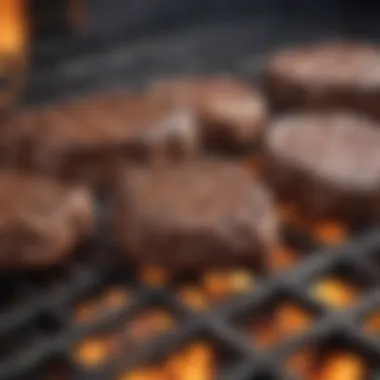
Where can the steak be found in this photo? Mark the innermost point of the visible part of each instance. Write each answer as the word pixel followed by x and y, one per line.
pixel 328 163
pixel 194 215
pixel 328 75
pixel 89 137
pixel 41 220
pixel 232 114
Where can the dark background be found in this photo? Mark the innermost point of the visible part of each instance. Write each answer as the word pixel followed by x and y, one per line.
pixel 135 41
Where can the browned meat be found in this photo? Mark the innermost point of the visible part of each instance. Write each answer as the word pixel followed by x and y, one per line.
pixel 232 113
pixel 329 163
pixel 336 75
pixel 90 135
pixel 194 215
pixel 41 220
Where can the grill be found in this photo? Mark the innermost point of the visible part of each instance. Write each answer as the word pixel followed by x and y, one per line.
pixel 100 319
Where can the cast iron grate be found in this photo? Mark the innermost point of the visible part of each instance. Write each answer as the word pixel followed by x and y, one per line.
pixel 45 329
pixel 98 320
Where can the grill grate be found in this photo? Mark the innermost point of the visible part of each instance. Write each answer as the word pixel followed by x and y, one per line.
pixel 98 320
pixel 47 331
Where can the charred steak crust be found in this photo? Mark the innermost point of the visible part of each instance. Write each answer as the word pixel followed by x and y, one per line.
pixel 194 215
pixel 329 163
pixel 326 75
pixel 233 115
pixel 41 220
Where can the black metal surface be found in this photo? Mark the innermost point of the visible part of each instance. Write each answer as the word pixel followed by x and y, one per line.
pixel 36 324
pixel 229 44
